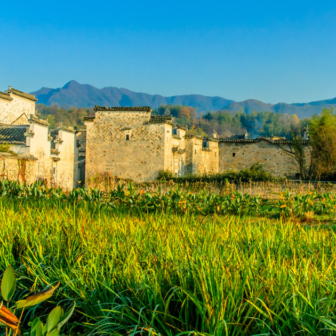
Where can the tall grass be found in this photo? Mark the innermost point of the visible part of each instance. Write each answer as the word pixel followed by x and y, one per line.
pixel 159 274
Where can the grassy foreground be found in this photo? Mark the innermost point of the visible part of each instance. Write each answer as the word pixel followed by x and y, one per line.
pixel 166 274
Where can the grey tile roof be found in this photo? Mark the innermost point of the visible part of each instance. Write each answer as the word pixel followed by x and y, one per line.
pixel 165 119
pixel 124 108
pixel 21 94
pixel 89 119
pixel 6 96
pixel 13 135
pixel 281 141
pixel 34 119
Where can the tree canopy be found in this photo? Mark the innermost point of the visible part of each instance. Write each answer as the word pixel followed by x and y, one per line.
pixel 225 123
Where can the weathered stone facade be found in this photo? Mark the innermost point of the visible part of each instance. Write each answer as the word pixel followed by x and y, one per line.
pixel 16 107
pixel 64 153
pixel 28 151
pixel 19 168
pixel 202 155
pixel 130 143
pixel 126 142
pixel 272 154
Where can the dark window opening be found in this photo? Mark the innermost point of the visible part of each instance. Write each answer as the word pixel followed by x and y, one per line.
pixel 175 131
pixel 127 137
pixel 233 154
pixel 195 151
pixel 205 144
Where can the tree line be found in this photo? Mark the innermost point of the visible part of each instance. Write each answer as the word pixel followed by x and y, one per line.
pixel 223 122
pixel 60 116
pixel 227 123
pixel 317 160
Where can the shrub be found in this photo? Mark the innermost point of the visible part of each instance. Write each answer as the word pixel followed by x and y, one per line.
pixel 165 175
pixel 254 173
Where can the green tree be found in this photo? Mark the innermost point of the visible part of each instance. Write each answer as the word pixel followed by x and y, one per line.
pixel 322 135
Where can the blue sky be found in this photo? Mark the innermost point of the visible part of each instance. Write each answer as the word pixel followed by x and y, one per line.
pixel 274 51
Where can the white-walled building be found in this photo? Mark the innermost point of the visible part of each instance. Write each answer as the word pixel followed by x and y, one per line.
pixel 28 150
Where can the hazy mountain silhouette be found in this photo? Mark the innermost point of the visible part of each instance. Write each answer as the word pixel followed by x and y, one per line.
pixel 84 95
pixel 302 110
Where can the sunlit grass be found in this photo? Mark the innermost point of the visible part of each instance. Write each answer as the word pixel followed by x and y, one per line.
pixel 172 274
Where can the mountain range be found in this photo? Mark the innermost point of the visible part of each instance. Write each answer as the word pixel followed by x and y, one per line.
pixel 84 95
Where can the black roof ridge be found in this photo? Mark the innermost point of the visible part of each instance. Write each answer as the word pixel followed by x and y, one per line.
pixel 5 95
pixel 21 94
pixel 123 108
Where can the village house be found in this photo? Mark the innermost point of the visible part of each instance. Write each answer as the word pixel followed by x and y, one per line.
pixel 129 142
pixel 125 142
pixel 28 150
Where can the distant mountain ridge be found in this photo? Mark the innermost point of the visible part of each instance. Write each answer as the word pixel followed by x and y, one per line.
pixel 85 95
pixel 302 110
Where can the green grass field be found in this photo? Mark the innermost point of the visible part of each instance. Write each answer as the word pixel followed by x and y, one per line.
pixel 138 273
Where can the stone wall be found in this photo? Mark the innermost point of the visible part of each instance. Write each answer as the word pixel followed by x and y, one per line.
pixel 168 143
pixel 178 150
pixel 201 159
pixel 39 147
pixel 81 141
pixel 239 155
pixel 15 109
pixel 30 156
pixel 178 163
pixel 125 144
pixel 17 168
pixel 66 169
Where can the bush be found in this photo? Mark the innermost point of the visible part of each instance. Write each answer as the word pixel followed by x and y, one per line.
pixel 255 173
pixel 165 175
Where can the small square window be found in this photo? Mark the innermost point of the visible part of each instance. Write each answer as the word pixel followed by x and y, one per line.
pixel 174 131
pixel 233 154
pixel 127 137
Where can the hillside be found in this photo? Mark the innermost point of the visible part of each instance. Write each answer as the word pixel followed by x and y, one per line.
pixel 84 95
pixel 302 110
